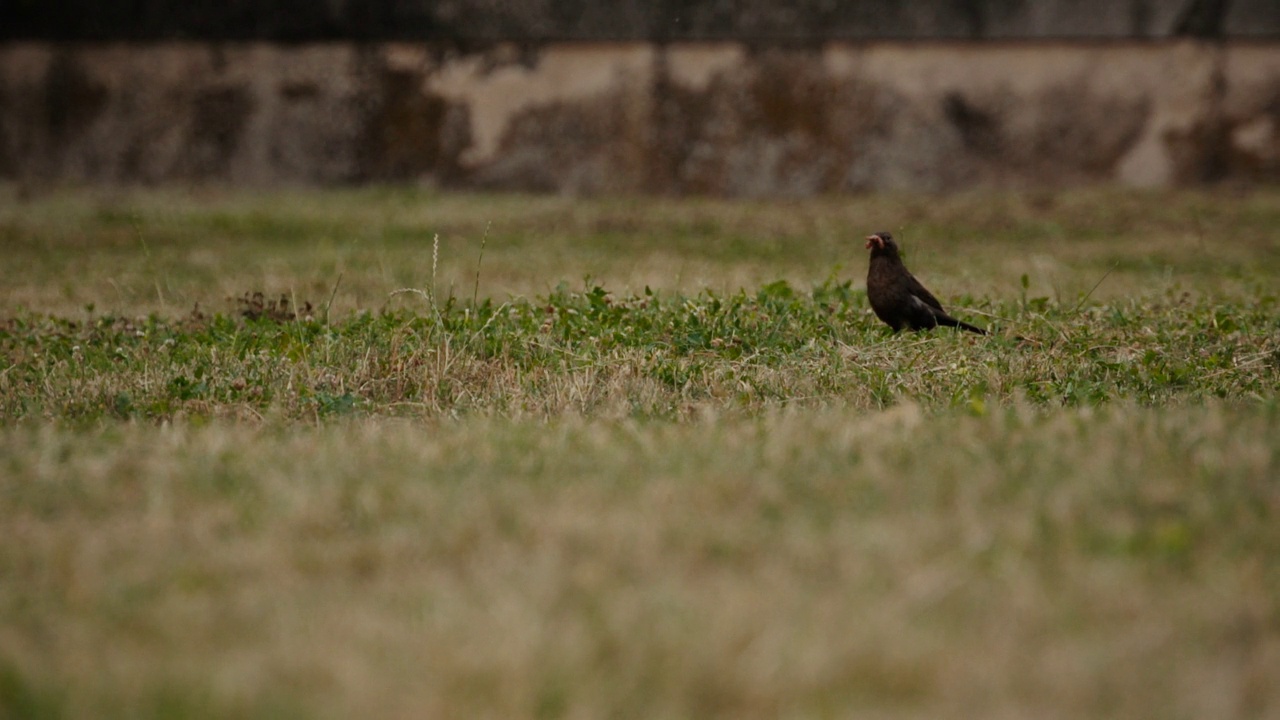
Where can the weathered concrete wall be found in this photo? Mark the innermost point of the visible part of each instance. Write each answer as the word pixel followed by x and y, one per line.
pixel 718 118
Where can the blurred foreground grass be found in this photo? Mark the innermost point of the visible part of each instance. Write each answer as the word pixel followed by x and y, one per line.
pixel 1117 562
pixel 636 457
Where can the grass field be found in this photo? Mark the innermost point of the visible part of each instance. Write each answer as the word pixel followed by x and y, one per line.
pixel 389 453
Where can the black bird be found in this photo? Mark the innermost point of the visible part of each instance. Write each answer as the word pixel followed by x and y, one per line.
pixel 898 297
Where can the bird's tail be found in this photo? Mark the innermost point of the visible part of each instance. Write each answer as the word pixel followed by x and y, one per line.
pixel 952 322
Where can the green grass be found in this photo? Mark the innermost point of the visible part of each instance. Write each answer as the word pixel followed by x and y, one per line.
pixel 647 356
pixel 636 457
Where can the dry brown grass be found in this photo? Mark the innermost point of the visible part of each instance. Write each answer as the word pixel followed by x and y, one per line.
pixel 1109 563
pixel 134 252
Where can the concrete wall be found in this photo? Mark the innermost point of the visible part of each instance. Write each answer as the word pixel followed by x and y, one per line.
pixel 720 118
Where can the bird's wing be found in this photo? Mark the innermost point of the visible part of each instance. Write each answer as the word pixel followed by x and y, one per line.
pixel 916 289
pixel 921 315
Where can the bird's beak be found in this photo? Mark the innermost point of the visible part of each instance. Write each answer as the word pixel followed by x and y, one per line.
pixel 873 241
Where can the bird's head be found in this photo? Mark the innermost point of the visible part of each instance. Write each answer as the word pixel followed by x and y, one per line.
pixel 882 243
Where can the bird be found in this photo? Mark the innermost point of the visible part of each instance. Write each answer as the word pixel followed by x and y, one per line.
pixel 897 297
